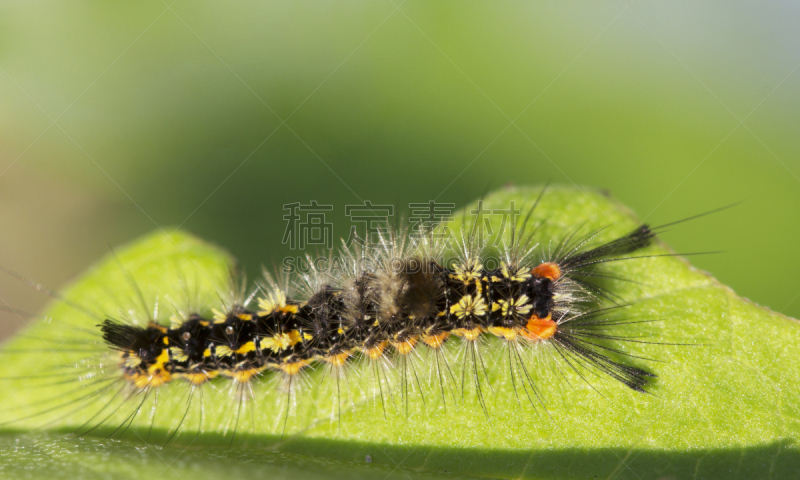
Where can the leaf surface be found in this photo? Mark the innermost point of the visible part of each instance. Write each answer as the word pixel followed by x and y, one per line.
pixel 724 405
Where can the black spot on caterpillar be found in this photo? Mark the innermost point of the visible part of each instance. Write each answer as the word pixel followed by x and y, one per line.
pixel 377 331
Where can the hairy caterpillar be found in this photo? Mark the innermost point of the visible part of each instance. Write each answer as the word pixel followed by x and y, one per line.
pixel 392 308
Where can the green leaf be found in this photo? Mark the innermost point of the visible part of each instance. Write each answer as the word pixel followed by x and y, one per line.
pixel 725 404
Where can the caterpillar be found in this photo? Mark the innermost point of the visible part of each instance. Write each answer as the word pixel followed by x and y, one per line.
pixel 385 307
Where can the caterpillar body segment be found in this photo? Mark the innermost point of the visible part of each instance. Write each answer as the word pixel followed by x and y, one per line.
pixel 396 304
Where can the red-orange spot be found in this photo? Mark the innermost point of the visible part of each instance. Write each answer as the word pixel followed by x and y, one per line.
pixel 539 328
pixel 549 270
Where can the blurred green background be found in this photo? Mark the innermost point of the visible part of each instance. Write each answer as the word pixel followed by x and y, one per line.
pixel 120 118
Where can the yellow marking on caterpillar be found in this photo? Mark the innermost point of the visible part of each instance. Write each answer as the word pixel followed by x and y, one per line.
pixel 178 354
pixel 470 334
pixel 338 359
pixel 130 360
pixel 468 272
pixel 518 305
pixel 137 379
pixel 503 332
pixel 246 348
pixel 162 359
pixel 469 305
pixel 245 316
pixel 520 275
pixel 161 328
pixel 504 270
pixel 156 375
pixel 243 376
pixel 294 367
pixel 405 347
pixel 198 378
pixel 437 340
pixel 224 351
pixel 207 352
pixel 274 301
pixel 281 341
pixel 219 317
pixel 376 352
